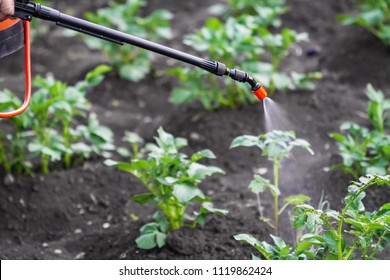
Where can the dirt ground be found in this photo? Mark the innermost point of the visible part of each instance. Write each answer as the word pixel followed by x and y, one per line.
pixel 84 213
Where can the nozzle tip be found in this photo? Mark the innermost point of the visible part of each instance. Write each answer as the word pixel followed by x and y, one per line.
pixel 261 93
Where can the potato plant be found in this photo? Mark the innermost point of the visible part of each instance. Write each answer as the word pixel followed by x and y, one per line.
pixel 132 63
pixel 58 125
pixel 366 150
pixel 373 15
pixel 276 145
pixel 267 10
pixel 172 182
pixel 240 42
pixel 349 233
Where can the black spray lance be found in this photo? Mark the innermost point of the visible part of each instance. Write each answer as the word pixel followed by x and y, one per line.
pixel 26 10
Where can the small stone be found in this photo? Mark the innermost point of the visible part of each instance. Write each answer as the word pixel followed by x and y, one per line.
pixel 210 192
pixel 58 251
pixel 312 51
pixel 123 255
pixel 22 202
pixel 78 231
pixel 106 225
pixel 80 256
pixel 147 120
pixel 261 171
pixel 45 245
pixel 115 103
pixel 107 155
pixel 327 146
pixel 9 179
pixel 89 223
pixel 195 136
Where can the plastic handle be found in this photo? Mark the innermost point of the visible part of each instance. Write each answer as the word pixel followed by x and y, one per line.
pixel 27 65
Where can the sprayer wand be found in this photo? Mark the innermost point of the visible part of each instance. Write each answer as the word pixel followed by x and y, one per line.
pixel 26 10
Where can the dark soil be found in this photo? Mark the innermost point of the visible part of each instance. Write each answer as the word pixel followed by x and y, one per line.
pixel 85 213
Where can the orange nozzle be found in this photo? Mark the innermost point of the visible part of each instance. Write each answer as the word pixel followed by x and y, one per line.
pixel 261 93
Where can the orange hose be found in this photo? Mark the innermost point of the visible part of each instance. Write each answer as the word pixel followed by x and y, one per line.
pixel 27 65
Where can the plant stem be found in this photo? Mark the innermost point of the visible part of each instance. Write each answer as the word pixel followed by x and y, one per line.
pixel 276 196
pixel 20 165
pixel 175 217
pixel 342 216
pixel 377 244
pixel 260 208
pixel 45 164
pixel 67 156
pixel 350 251
pixel 3 157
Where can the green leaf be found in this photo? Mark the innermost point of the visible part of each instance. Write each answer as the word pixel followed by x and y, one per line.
pixel 313 220
pixel 372 17
pixel 167 181
pixel 346 19
pixel 246 141
pixel 259 184
pixel 165 140
pixel 53 154
pixel 185 192
pixel 147 241
pixel 247 238
pixel 123 166
pixel 161 239
pixel 144 198
pixel 331 241
pixel 134 72
pixel 279 242
pixel 273 189
pixel 200 172
pixel 203 154
pixel 151 236
pixel 81 149
pixel 302 246
pixel 182 95
pixel 133 138
pixel 95 77
pixel 300 221
pixel 207 207
pixel 264 248
pixel 297 199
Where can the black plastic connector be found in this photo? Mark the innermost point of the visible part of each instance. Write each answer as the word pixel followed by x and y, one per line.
pixel 243 77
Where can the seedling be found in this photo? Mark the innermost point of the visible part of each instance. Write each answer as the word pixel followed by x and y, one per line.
pixel 276 145
pixel 373 15
pixel 132 63
pixel 268 11
pixel 49 128
pixel 12 146
pixel 172 181
pixel 367 233
pixel 366 150
pixel 243 42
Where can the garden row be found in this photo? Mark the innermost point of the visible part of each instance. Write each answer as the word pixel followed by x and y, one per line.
pixel 59 127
